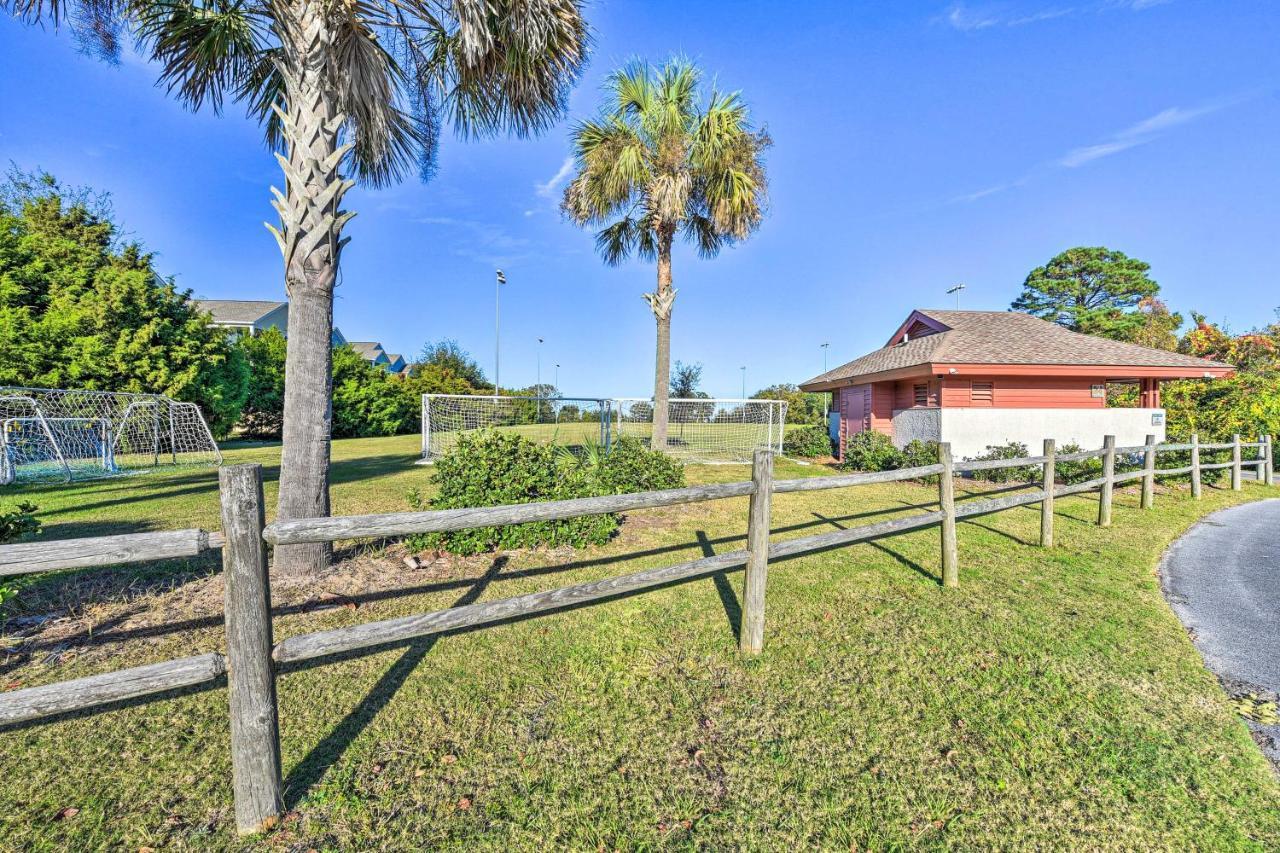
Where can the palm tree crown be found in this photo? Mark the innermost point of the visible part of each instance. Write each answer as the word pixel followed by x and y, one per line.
pixel 664 163
pixel 656 162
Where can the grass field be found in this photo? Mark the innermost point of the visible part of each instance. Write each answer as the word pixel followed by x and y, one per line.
pixel 1053 700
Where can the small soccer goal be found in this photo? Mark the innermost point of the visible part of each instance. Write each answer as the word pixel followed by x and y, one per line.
pixel 699 430
pixel 706 429
pixel 566 421
pixel 60 434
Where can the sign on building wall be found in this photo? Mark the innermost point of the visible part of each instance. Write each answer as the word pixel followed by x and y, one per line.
pixel 1097 390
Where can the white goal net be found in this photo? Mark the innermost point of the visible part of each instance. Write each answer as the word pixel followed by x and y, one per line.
pixel 59 434
pixel 699 430
pixel 566 421
pixel 707 429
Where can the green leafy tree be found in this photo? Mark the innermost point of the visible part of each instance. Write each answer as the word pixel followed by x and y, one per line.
pixel 354 88
pixel 446 357
pixel 367 400
pixel 802 407
pixel 656 163
pixel 685 379
pixel 78 309
pixel 1156 327
pixel 1089 289
pixel 263 415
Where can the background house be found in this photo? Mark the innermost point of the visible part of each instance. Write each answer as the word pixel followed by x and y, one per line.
pixel 372 352
pixel 253 316
pixel 980 378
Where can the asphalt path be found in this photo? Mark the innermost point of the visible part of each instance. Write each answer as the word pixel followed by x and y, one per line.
pixel 1222 578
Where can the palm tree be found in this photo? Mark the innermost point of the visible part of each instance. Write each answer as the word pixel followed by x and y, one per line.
pixel 355 87
pixel 656 162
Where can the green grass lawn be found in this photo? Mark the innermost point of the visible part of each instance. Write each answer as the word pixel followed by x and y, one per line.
pixel 1053 700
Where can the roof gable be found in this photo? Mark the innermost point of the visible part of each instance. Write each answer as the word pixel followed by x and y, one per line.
pixel 1005 338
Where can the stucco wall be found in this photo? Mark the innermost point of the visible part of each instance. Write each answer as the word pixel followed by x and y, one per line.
pixel 970 431
pixel 909 424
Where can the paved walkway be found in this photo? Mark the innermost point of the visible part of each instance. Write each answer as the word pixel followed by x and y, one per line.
pixel 1223 580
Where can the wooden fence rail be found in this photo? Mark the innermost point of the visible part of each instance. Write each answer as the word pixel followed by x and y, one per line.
pixel 252 658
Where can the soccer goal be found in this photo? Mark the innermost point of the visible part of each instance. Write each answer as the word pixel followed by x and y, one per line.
pixel 566 421
pixel 699 430
pixel 706 429
pixel 60 434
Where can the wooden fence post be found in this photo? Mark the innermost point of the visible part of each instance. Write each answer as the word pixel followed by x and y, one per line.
pixel 1261 466
pixel 947 499
pixel 751 631
pixel 1235 462
pixel 1196 484
pixel 1108 480
pixel 255 727
pixel 1149 473
pixel 1049 483
pixel 1268 467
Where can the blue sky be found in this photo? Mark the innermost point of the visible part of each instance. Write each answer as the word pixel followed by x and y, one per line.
pixel 916 145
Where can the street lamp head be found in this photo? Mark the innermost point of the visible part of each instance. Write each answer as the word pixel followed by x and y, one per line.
pixel 502 279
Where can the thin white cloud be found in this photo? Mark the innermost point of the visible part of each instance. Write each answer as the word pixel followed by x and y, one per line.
pixel 548 189
pixel 1147 130
pixel 972 18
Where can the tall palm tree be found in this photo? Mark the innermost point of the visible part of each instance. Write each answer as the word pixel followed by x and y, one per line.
pixel 356 87
pixel 657 162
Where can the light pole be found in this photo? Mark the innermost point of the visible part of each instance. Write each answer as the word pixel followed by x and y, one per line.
pixel 956 290
pixel 538 386
pixel 744 381
pixel 826 398
pixel 499 280
pixel 557 380
pixel 824 355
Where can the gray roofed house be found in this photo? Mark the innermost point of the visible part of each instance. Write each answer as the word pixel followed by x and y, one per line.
pixel 373 352
pixel 253 316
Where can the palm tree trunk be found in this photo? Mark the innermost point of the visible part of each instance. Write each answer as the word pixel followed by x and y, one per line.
pixel 661 302
pixel 310 240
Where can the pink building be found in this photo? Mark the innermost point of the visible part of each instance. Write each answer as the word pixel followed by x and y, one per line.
pixel 979 378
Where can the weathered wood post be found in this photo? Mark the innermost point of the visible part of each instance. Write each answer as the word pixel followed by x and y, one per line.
pixel 1195 466
pixel 1149 473
pixel 1049 483
pixel 1261 466
pixel 1269 465
pixel 255 727
pixel 751 631
pixel 1235 462
pixel 1108 480
pixel 947 499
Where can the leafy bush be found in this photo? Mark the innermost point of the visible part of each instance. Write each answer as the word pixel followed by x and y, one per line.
pixel 1012 450
pixel 1079 470
pixel 807 442
pixel 491 468
pixel 14 523
pixel 871 451
pixel 918 453
pixel 629 466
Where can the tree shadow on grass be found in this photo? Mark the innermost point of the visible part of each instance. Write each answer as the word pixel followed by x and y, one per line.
pixel 728 598
pixel 307 772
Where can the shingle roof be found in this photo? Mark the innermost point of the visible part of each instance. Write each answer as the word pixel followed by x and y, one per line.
pixel 368 349
pixel 1007 337
pixel 238 311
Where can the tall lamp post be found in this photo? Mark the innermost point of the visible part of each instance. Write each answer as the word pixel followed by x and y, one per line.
pixel 956 290
pixel 557 380
pixel 825 346
pixel 826 398
pixel 538 386
pixel 499 280
pixel 744 381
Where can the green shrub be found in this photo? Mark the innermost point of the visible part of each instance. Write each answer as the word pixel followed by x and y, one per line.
pixel 871 451
pixel 919 453
pixel 629 466
pixel 1012 450
pixel 1079 470
pixel 807 442
pixel 19 521
pixel 491 468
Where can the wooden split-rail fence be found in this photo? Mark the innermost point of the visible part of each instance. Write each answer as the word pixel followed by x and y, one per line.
pixel 252 657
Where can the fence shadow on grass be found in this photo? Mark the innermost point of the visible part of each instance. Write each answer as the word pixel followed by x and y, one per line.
pixel 307 772
pixel 728 598
pixel 898 556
